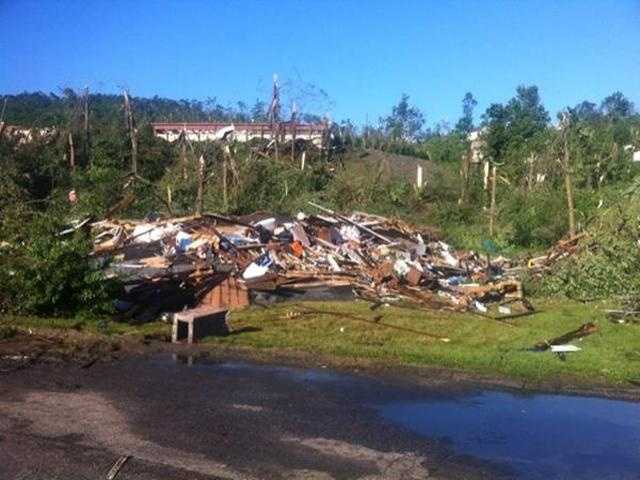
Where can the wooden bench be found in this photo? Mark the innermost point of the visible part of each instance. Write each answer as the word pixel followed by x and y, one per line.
pixel 199 322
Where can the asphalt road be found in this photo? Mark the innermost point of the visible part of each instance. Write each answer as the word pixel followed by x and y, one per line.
pixel 217 419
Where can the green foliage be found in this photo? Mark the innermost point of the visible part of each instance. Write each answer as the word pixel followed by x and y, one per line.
pixel 538 219
pixel 45 274
pixel 518 136
pixel 405 121
pixel 375 191
pixel 465 124
pixel 276 187
pixel 445 148
pixel 516 130
pixel 608 263
pixel 611 271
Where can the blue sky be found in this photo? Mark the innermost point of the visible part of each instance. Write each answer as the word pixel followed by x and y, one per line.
pixel 363 54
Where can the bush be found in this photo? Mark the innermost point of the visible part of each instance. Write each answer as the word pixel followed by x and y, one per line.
pixel 608 263
pixel 538 219
pixel 44 274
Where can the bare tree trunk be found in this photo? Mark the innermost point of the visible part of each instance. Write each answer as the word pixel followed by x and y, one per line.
pixel 133 134
pixel 225 198
pixel 293 141
pixel 464 174
pixel 72 153
pixel 568 186
pixel 234 170
pixel 275 135
pixel 200 193
pixel 530 175
pixel 183 155
pixel 2 124
pixel 87 137
pixel 492 211
pixel 4 107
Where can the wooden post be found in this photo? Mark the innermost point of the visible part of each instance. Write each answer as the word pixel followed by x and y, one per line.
pixel 302 159
pixel 492 212
pixel 419 177
pixel 72 153
pixel 133 134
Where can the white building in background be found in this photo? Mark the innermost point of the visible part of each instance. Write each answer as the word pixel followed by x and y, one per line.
pixel 241 132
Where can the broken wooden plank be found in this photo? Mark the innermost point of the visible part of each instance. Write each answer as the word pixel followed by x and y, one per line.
pixel 348 220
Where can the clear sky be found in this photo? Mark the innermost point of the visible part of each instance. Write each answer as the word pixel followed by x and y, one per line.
pixel 363 53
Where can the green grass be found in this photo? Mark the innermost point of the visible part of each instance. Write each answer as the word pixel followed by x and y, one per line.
pixel 477 345
pixel 87 325
pixel 612 355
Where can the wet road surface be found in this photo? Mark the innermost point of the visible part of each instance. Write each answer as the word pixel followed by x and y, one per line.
pixel 184 419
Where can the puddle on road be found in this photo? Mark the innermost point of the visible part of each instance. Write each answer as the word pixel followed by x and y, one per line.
pixel 295 374
pixel 539 436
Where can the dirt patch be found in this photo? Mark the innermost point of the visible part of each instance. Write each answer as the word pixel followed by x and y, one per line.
pixel 55 415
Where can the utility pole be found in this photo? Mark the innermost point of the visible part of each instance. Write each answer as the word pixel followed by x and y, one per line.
pixel 133 133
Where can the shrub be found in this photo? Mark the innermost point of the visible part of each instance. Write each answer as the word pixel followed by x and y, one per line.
pixel 608 263
pixel 45 274
pixel 538 219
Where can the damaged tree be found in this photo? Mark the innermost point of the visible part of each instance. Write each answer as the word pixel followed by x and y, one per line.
pixel 566 167
pixel 133 132
pixel 274 115
pixel 201 180
pixel 87 136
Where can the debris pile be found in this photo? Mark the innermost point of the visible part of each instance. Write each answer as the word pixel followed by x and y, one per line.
pixel 219 261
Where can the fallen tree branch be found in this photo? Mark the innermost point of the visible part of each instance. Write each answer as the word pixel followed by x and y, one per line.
pixel 582 331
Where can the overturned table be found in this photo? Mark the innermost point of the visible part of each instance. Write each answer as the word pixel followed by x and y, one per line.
pixel 199 322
